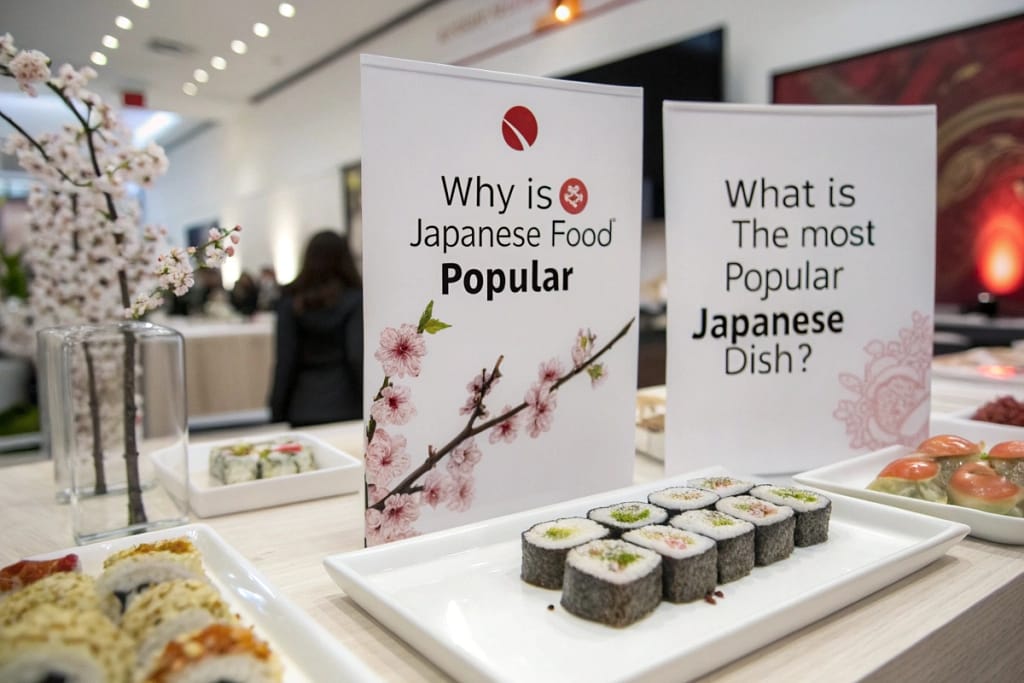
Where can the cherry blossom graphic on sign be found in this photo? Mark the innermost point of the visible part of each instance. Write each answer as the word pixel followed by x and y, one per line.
pixel 398 493
pixel 891 405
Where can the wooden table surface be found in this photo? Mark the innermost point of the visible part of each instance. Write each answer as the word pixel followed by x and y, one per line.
pixel 960 618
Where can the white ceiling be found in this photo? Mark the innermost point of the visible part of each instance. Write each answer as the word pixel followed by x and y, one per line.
pixel 70 30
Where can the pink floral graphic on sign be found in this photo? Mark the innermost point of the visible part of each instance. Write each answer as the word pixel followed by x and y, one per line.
pixel 393 508
pixel 891 404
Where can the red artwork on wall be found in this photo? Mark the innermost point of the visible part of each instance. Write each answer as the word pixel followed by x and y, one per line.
pixel 975 77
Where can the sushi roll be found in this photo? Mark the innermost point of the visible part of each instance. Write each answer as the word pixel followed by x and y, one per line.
pixel 774 526
pixel 682 498
pixel 612 582
pixel 689 561
pixel 812 511
pixel 912 476
pixel 168 610
pixel 66 590
pixel 287 457
pixel 1007 458
pixel 16 576
pixel 950 452
pixel 545 546
pixel 129 572
pixel 54 644
pixel 623 517
pixel 723 486
pixel 734 539
pixel 978 486
pixel 219 652
pixel 235 464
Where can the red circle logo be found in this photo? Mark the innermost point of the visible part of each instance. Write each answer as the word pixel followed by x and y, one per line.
pixel 573 195
pixel 519 128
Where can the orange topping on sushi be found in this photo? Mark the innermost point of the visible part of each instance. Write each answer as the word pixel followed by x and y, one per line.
pixel 980 481
pixel 946 445
pixel 1007 450
pixel 213 641
pixel 20 574
pixel 911 467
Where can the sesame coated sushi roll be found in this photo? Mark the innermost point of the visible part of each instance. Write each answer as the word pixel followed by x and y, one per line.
pixel 774 526
pixel 689 561
pixel 811 509
pixel 1007 458
pixel 682 498
pixel 976 485
pixel 950 452
pixel 612 582
pixel 722 485
pixel 219 652
pixel 912 476
pixel 66 590
pixel 129 572
pixel 733 537
pixel 623 517
pixel 545 546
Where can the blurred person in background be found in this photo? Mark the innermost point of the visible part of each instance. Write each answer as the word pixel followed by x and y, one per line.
pixel 245 294
pixel 269 291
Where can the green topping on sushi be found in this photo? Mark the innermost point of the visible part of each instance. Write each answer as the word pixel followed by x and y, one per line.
pixel 240 449
pixel 803 496
pixel 623 558
pixel 558 533
pixel 721 520
pixel 631 514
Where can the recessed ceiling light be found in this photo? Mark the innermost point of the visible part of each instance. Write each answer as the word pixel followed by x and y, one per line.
pixel 143 4
pixel 286 9
pixel 261 29
pixel 218 63
pixel 190 88
pixel 111 42
pixel 123 22
pixel 98 58
pixel 239 47
pixel 200 75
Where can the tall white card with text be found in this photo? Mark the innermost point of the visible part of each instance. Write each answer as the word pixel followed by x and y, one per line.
pixel 801 276
pixel 501 218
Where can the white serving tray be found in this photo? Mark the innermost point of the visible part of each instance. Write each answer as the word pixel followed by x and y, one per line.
pixel 308 653
pixel 337 473
pixel 456 596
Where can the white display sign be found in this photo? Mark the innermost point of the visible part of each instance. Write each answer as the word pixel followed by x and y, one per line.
pixel 501 220
pixel 801 274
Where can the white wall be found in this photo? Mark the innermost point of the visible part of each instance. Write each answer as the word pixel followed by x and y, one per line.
pixel 275 168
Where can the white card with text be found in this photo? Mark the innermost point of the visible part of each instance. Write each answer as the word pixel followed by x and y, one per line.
pixel 501 219
pixel 801 276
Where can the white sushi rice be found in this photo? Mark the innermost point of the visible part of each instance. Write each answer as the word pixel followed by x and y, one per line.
pixel 565 533
pixel 754 510
pixel 723 486
pixel 669 541
pixel 613 561
pixel 631 515
pixel 801 500
pixel 712 523
pixel 683 498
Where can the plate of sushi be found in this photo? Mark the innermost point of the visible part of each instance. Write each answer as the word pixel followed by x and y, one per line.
pixel 974 476
pixel 661 581
pixel 169 606
pixel 275 469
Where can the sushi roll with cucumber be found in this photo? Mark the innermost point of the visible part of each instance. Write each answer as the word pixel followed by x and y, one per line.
pixel 220 652
pixel 811 509
pixel 287 457
pixel 131 571
pixel 235 464
pixel 623 517
pixel 734 539
pixel 682 498
pixel 612 582
pixel 774 526
pixel 689 561
pixel 545 546
pixel 722 485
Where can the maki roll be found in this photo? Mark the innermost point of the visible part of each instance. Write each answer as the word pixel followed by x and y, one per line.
pixel 734 539
pixel 20 574
pixel 723 486
pixel 689 561
pixel 545 546
pixel 912 476
pixel 235 464
pixel 773 526
pixel 1007 458
pixel 612 582
pixel 682 498
pixel 978 486
pixel 66 590
pixel 625 516
pixel 950 451
pixel 289 457
pixel 219 652
pixel 129 572
pixel 54 644
pixel 812 511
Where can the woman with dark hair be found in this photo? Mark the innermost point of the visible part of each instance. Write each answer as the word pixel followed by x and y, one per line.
pixel 318 376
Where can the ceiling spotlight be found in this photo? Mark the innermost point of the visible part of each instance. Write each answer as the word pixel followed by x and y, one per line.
pixel 200 75
pixel 562 12
pixel 286 10
pixel 98 58
pixel 218 63
pixel 190 88
pixel 123 22
pixel 141 4
pixel 261 29
pixel 239 47
pixel 110 42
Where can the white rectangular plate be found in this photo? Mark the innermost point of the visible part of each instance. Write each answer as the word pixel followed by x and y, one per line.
pixel 457 597
pixel 337 473
pixel 309 654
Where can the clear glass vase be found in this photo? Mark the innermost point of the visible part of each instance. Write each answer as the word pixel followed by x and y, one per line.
pixel 115 423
